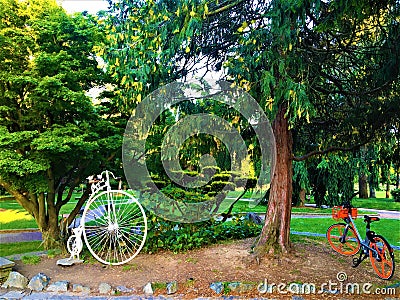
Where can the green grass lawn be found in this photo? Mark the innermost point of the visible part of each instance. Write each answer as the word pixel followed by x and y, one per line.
pixel 377 203
pixel 389 228
pixel 19 248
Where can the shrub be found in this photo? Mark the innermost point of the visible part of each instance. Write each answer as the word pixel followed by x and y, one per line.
pixel 177 237
pixel 396 195
pixel 219 185
pixel 182 195
pixel 221 177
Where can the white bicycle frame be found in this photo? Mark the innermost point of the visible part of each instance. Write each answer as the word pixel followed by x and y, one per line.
pixel 97 184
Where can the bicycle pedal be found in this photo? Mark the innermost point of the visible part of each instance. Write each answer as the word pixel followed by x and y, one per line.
pixel 356 262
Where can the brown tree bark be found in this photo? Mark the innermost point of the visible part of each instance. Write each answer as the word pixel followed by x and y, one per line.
pixel 43 209
pixel 363 186
pixel 274 238
pixel 387 194
pixel 302 196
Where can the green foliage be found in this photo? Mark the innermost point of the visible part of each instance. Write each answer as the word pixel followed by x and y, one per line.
pixel 180 194
pixel 330 66
pixel 31 259
pixel 332 178
pixel 176 237
pixel 300 181
pixel 51 134
pixel 338 175
pixel 396 195
pixel 219 185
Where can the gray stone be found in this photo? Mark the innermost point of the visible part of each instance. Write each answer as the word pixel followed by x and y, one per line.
pixel 217 287
pixel 104 288
pixel 124 289
pixel 334 292
pixel 148 289
pixel 59 286
pixel 264 287
pixel 69 261
pixel 240 287
pixel 13 295
pixel 253 217
pixel 4 273
pixel 15 280
pixel 39 282
pixel 5 263
pixel 172 287
pixel 79 288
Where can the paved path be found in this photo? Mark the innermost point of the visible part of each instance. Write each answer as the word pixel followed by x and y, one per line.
pixel 20 236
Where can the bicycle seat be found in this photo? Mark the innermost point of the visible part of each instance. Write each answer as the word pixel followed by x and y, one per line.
pixel 371 219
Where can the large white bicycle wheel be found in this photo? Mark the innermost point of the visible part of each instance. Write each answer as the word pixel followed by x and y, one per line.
pixel 114 227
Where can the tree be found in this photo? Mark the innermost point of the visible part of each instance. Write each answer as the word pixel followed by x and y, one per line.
pixel 322 68
pixel 52 136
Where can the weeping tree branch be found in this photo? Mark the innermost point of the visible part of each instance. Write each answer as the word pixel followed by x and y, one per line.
pixel 224 8
pixel 326 151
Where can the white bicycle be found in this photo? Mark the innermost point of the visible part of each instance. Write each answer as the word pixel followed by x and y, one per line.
pixel 113 224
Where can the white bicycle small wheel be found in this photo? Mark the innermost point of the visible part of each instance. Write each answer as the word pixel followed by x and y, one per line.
pixel 114 227
pixel 71 243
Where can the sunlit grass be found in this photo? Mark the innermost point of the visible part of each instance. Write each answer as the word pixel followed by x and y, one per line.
pixel 20 247
pixel 11 215
pixel 16 219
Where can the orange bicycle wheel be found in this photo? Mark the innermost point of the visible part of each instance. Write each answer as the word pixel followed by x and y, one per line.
pixel 383 260
pixel 349 246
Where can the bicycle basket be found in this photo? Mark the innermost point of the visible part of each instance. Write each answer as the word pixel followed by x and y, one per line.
pixel 339 212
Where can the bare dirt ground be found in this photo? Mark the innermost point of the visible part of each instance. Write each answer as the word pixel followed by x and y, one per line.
pixel 310 262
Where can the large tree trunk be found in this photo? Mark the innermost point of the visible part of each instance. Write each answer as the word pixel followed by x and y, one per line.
pixel 51 237
pixel 47 220
pixel 274 238
pixel 302 196
pixel 387 194
pixel 372 193
pixel 363 186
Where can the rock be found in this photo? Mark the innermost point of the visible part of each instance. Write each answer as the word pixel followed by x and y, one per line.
pixel 13 295
pixel 79 288
pixel 172 287
pixel 15 280
pixel 59 286
pixel 148 289
pixel 217 287
pixel 240 287
pixel 39 282
pixel 104 288
pixel 253 217
pixel 5 268
pixel 124 289
pixel 264 287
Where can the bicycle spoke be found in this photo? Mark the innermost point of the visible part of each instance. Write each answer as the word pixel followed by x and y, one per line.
pixel 350 246
pixel 118 227
pixel 382 260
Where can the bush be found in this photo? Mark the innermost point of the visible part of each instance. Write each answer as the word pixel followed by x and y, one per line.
pixel 396 195
pixel 217 186
pixel 182 195
pixel 177 237
pixel 221 177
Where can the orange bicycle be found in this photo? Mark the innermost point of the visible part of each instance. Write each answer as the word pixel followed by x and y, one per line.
pixel 345 239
